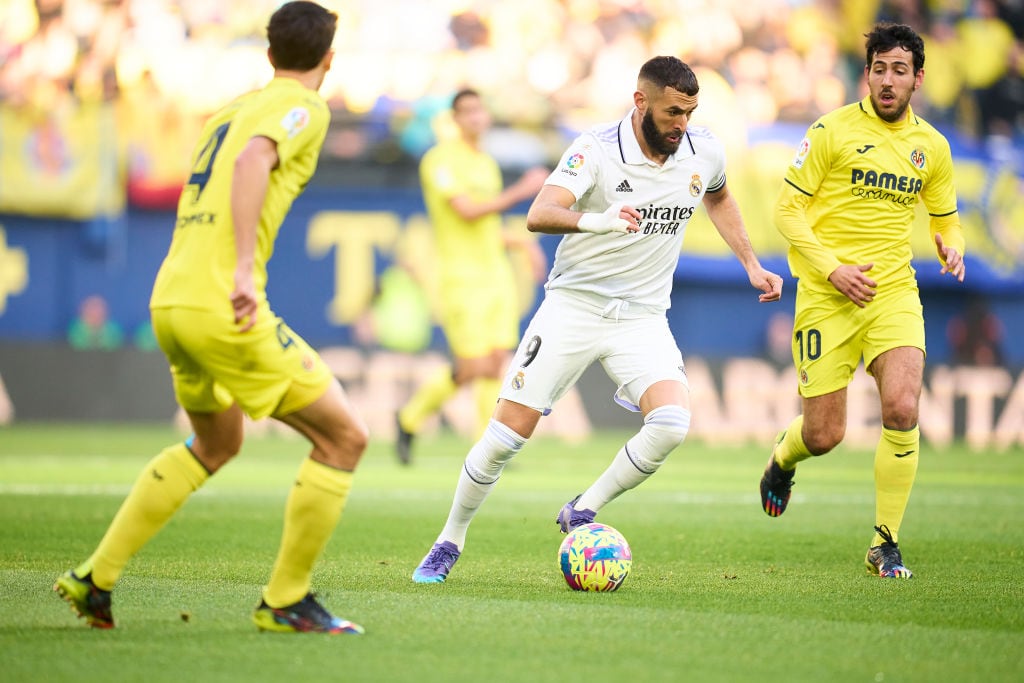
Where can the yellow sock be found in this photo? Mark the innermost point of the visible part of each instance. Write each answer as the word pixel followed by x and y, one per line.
pixel 160 489
pixel 485 396
pixel 427 400
pixel 313 509
pixel 792 448
pixel 895 469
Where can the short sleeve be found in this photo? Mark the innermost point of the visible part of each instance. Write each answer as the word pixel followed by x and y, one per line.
pixel 577 170
pixel 812 160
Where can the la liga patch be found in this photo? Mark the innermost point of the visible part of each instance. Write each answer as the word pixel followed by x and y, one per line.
pixel 295 120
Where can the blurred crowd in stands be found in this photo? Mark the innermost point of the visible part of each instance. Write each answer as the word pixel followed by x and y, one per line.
pixel 547 67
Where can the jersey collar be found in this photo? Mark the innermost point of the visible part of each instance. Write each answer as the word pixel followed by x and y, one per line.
pixel 910 120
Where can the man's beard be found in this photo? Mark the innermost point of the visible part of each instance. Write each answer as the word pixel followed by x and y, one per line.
pixel 654 138
pixel 896 114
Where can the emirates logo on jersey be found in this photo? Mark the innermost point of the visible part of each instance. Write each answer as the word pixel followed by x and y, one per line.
pixel 663 220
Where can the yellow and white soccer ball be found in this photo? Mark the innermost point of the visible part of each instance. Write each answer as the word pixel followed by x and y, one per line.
pixel 595 557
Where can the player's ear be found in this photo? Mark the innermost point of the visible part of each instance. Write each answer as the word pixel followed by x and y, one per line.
pixel 640 101
pixel 328 58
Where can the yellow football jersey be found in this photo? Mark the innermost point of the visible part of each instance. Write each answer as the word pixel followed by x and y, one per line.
pixel 467 250
pixel 857 179
pixel 198 271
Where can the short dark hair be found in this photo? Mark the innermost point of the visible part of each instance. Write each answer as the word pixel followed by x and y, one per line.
pixel 670 72
pixel 300 34
pixel 887 36
pixel 461 95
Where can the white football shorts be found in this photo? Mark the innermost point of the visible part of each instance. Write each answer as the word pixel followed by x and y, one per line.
pixel 571 330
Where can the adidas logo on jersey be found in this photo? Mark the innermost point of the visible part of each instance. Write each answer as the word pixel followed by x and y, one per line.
pixel 624 187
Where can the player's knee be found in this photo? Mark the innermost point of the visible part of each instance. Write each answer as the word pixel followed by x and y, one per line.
pixel 213 454
pixel 357 437
pixel 900 413
pixel 492 452
pixel 820 442
pixel 665 428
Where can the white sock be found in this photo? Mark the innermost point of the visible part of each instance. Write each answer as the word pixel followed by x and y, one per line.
pixel 480 472
pixel 664 429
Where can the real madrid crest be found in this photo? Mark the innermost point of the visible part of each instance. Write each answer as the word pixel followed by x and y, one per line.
pixel 696 185
pixel 519 381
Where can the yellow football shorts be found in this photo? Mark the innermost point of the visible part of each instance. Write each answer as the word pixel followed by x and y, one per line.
pixel 267 370
pixel 480 318
pixel 831 334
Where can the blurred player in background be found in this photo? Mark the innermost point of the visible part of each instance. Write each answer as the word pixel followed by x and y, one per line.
pixel 462 189
pixel 622 196
pixel 847 209
pixel 229 354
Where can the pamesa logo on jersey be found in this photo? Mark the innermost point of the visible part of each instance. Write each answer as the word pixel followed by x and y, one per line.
pixel 886 186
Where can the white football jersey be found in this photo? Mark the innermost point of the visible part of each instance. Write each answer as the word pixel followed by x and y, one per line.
pixel 605 166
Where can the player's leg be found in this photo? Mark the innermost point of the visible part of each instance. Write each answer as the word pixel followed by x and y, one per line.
pixel 320 491
pixel 425 401
pixel 894 355
pixel 546 364
pixel 644 360
pixel 825 358
pixel 165 483
pixel 457 321
pixel 898 373
pixel 666 409
pixel 162 487
pixel 298 389
pixel 504 437
pixel 475 323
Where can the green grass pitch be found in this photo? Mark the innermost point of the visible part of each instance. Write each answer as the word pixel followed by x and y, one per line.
pixel 718 592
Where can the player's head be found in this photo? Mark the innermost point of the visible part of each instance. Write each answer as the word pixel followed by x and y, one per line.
pixel 894 68
pixel 665 97
pixel 300 34
pixel 469 113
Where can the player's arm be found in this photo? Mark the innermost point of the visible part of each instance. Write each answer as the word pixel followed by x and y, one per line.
pixel 248 190
pixel 949 244
pixel 550 214
pixel 527 186
pixel 724 213
pixel 939 194
pixel 791 221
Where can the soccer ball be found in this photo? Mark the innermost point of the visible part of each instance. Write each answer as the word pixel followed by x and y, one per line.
pixel 595 557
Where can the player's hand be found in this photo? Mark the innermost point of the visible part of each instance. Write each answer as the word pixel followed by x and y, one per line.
pixel 616 218
pixel 243 301
pixel 852 282
pixel 952 260
pixel 769 283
